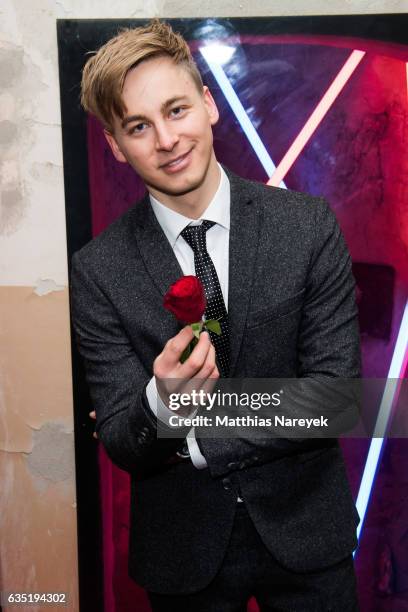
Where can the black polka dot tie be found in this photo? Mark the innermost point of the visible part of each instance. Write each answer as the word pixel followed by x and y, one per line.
pixel 195 236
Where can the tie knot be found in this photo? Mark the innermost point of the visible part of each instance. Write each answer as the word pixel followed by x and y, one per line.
pixel 195 235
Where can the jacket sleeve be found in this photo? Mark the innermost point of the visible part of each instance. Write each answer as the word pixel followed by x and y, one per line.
pixel 328 346
pixel 117 380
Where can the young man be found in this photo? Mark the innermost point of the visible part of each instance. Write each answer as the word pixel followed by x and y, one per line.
pixel 227 519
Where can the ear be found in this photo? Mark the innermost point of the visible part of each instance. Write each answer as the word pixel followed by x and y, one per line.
pixel 210 105
pixel 114 147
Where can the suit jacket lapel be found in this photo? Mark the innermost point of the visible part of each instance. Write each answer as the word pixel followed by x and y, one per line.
pixel 245 225
pixel 155 249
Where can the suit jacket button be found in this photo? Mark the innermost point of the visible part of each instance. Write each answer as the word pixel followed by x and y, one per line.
pixel 226 483
pixel 232 465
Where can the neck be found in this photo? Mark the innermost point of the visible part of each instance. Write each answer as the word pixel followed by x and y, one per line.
pixel 195 202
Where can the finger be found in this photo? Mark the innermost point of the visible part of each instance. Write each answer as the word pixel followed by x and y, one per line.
pixel 215 373
pixel 211 381
pixel 191 374
pixel 208 365
pixel 176 379
pixel 165 366
pixel 95 435
pixel 169 358
pixel 198 381
pixel 194 364
pixel 92 414
pixel 203 388
pixel 210 378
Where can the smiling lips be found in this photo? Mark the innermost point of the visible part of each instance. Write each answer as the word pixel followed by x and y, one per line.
pixel 177 164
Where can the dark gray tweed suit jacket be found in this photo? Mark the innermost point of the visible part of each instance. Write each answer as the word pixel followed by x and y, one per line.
pixel 292 313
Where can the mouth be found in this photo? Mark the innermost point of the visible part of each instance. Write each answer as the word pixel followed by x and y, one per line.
pixel 178 163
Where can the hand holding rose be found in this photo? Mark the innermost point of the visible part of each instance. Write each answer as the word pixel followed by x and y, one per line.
pixel 200 367
pixel 190 354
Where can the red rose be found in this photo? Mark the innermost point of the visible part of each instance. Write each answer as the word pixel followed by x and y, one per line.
pixel 186 299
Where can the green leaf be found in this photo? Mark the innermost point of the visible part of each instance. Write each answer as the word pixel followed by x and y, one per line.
pixel 214 326
pixel 197 327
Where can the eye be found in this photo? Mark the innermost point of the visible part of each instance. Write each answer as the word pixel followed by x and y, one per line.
pixel 138 128
pixel 177 111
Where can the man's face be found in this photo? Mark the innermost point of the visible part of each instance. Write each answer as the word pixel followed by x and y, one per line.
pixel 166 133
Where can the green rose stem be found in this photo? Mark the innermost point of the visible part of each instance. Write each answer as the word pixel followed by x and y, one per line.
pixel 210 325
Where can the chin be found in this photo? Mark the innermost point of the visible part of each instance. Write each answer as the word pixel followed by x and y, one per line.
pixel 179 188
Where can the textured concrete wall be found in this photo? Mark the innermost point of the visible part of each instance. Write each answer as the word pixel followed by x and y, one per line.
pixel 37 483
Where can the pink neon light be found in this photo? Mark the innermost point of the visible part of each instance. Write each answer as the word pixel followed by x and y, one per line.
pixel 316 117
pixel 407 75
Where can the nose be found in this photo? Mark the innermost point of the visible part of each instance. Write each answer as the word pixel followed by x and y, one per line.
pixel 166 137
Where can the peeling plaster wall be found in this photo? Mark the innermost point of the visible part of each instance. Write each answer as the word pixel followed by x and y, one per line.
pixel 37 484
pixel 38 548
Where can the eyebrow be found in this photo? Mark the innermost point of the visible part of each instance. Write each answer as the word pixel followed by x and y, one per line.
pixel 163 108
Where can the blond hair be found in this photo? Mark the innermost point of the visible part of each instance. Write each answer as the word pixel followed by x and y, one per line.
pixel 104 73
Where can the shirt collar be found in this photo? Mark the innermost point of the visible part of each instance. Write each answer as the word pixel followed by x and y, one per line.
pixel 218 210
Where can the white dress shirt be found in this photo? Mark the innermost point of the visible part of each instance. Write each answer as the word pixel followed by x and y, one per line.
pixel 172 224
